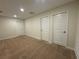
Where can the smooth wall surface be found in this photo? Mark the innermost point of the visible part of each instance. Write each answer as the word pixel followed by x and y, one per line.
pixel 32 25
pixel 77 37
pixel 10 27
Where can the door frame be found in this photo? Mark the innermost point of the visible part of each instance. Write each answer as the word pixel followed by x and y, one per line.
pixel 41 26
pixel 67 25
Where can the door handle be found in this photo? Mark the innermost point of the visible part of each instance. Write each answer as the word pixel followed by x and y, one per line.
pixel 64 31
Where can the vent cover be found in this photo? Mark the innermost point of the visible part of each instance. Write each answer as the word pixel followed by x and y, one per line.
pixel 31 12
pixel 1 11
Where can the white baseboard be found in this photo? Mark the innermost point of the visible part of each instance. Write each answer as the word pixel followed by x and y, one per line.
pixel 70 48
pixel 9 37
pixel 33 36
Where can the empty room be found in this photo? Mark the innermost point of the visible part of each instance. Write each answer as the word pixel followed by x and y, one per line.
pixel 39 29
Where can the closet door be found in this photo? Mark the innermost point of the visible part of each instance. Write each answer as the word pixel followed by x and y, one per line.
pixel 61 28
pixel 45 28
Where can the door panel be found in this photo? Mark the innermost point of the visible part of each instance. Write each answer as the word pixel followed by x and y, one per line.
pixel 45 28
pixel 61 28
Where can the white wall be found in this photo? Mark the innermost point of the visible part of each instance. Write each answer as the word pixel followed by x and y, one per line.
pixel 10 27
pixel 77 37
pixel 32 24
pixel 32 28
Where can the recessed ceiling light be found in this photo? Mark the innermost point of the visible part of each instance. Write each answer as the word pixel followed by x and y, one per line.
pixel 22 10
pixel 15 15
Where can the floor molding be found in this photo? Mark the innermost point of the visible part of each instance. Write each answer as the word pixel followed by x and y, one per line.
pixel 10 37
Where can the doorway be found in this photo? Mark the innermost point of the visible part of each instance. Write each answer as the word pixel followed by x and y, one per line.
pixel 61 28
pixel 45 28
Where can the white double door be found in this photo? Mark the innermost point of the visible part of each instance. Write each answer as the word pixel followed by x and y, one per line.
pixel 60 28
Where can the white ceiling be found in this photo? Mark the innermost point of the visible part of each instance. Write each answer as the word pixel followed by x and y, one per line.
pixel 12 7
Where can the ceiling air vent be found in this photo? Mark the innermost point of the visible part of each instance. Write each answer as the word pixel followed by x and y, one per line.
pixel 1 11
pixel 31 12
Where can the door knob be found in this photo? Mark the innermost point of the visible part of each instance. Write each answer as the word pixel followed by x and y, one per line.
pixel 64 31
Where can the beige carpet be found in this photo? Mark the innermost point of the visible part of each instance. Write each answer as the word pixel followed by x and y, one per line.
pixel 25 47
